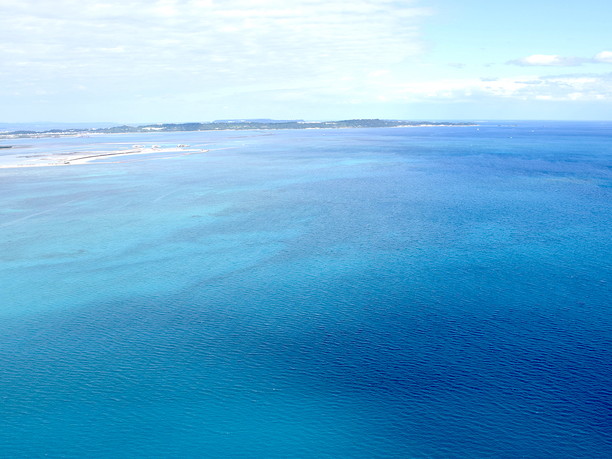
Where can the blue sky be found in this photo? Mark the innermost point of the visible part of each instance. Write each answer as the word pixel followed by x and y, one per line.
pixel 140 61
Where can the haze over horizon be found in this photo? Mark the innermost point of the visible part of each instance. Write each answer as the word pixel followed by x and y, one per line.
pixel 143 61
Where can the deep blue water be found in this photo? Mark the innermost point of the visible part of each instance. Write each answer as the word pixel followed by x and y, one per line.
pixel 411 293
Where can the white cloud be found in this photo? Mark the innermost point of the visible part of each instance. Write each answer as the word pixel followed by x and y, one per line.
pixel 604 56
pixel 554 60
pixel 547 60
pixel 198 44
pixel 583 87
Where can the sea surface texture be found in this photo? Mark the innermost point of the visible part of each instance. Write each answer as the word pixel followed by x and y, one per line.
pixel 431 292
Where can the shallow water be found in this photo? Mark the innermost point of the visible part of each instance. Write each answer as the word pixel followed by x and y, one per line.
pixel 418 292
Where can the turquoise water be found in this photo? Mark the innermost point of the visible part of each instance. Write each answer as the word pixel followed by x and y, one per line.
pixel 418 292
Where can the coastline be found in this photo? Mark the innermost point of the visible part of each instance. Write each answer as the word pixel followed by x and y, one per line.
pixel 229 126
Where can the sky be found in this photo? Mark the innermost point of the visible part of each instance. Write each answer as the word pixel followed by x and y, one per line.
pixel 144 61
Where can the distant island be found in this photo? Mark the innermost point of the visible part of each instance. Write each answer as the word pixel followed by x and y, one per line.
pixel 233 125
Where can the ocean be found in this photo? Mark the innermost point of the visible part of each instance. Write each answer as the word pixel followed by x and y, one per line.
pixel 426 292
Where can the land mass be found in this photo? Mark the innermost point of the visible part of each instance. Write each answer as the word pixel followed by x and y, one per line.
pixel 234 125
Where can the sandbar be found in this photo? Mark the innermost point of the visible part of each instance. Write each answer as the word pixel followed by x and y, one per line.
pixel 74 158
